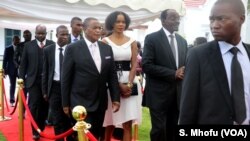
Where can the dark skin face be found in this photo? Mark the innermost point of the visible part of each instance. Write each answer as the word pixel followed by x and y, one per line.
pixel 93 30
pixel 172 21
pixel 225 23
pixel 62 36
pixel 76 27
pixel 16 41
pixel 120 24
pixel 27 36
pixel 41 33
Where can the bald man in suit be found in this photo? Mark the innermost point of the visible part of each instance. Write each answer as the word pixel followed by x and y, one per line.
pixel 31 72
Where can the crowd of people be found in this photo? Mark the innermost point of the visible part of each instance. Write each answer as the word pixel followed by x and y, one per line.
pixel 205 84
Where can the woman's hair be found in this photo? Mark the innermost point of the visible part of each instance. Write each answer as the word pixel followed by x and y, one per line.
pixel 111 19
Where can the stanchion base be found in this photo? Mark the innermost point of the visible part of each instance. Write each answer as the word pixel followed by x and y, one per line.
pixel 4 118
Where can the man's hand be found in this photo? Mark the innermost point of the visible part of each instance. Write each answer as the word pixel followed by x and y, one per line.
pixel 66 110
pixel 179 74
pixel 115 106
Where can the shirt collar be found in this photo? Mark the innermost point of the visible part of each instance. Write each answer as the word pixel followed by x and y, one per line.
pixel 89 43
pixel 225 47
pixel 39 43
pixel 167 32
pixel 73 37
pixel 57 46
pixel 13 45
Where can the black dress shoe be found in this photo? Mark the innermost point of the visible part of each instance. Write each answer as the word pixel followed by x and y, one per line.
pixel 36 137
pixel 48 123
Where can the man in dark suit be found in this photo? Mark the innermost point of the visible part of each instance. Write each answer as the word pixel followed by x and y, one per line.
pixel 76 30
pixel 53 55
pixel 163 63
pixel 207 96
pixel 9 67
pixel 18 54
pixel 19 49
pixel 88 71
pixel 31 72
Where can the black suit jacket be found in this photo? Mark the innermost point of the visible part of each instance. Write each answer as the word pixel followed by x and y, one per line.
pixel 206 97
pixel 159 65
pixel 81 82
pixel 69 38
pixel 18 53
pixel 48 68
pixel 8 61
pixel 30 62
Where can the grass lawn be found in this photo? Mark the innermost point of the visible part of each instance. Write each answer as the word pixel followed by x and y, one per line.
pixel 145 127
pixel 2 138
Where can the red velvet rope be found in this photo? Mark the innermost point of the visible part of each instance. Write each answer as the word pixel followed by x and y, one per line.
pixel 53 137
pixel 4 93
pixel 13 111
pixel 90 135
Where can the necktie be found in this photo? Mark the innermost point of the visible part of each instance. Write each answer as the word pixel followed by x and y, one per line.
pixel 96 56
pixel 41 45
pixel 237 88
pixel 61 61
pixel 172 45
pixel 75 39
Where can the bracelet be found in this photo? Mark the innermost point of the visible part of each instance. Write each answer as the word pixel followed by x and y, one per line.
pixel 130 85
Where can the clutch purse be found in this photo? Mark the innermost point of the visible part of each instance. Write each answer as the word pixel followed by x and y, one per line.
pixel 134 89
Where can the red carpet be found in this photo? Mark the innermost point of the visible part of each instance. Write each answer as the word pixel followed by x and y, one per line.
pixel 10 129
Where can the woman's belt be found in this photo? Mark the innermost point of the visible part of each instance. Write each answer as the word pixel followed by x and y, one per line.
pixel 122 65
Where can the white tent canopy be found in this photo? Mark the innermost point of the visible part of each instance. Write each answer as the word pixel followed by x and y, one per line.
pixel 26 14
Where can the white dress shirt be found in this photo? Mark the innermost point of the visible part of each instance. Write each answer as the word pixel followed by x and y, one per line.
pixel 175 45
pixel 72 37
pixel 95 53
pixel 245 66
pixel 57 62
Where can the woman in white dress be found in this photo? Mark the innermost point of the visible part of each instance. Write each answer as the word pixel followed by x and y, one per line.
pixel 125 56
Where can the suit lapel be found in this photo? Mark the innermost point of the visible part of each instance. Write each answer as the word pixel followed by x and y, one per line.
pixel 102 55
pixel 12 49
pixel 247 47
pixel 166 45
pixel 219 71
pixel 53 54
pixel 88 55
pixel 181 51
pixel 36 51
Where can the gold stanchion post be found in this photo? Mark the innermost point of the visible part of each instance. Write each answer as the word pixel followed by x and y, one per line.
pixel 79 113
pixel 2 117
pixel 20 110
pixel 136 132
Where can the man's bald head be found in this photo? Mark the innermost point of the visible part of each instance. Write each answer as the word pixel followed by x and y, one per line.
pixel 41 32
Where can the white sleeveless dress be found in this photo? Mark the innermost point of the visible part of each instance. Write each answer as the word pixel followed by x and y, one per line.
pixel 130 108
